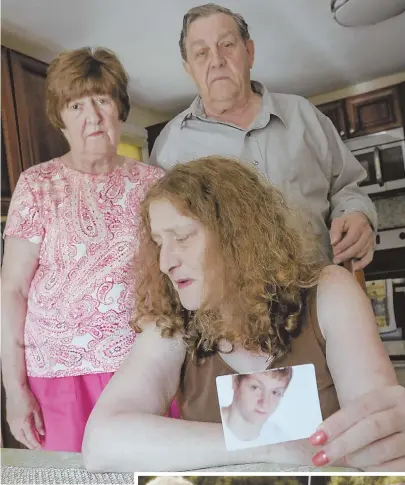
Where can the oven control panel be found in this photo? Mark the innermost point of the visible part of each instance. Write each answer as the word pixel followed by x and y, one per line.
pixel 390 239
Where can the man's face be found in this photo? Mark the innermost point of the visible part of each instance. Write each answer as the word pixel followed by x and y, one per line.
pixel 257 396
pixel 218 59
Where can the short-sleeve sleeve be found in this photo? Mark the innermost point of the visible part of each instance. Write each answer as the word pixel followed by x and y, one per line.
pixel 24 219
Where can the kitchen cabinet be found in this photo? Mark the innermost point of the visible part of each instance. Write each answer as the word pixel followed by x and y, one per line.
pixel 337 113
pixel 153 133
pixel 5 177
pixel 10 149
pixel 373 112
pixel 28 137
pixel 367 113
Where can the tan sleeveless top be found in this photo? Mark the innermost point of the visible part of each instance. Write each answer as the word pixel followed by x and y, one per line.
pixel 197 394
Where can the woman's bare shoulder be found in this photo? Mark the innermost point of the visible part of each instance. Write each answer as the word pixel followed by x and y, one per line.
pixel 151 341
pixel 339 298
pixel 335 274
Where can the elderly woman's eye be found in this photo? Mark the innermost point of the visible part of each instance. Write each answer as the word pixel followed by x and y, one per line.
pixel 74 106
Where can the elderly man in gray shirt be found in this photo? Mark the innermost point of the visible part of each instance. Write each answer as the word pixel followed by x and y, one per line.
pixel 284 135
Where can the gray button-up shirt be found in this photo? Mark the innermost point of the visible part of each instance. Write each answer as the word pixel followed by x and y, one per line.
pixel 291 142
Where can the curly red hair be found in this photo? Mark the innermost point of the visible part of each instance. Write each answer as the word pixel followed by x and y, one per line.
pixel 260 260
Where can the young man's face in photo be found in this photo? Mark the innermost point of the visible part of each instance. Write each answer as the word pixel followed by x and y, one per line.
pixel 257 396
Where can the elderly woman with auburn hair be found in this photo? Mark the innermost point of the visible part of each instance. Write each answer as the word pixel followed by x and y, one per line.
pixel 71 232
pixel 228 283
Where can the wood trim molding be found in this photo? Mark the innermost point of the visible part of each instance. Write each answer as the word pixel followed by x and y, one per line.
pixel 9 121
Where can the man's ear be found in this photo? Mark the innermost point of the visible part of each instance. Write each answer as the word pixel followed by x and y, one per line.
pixel 250 47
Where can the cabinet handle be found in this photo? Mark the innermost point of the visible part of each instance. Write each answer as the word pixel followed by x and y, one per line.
pixel 351 131
pixel 377 166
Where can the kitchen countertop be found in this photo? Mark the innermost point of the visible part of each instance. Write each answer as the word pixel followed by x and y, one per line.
pixel 49 467
pixel 395 347
pixel 43 467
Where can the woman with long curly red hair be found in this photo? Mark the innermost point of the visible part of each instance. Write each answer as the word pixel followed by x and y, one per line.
pixel 229 280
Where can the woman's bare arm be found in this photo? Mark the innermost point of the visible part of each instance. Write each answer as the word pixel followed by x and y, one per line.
pixel 23 411
pixel 356 356
pixel 128 431
pixel 20 262
pixel 369 430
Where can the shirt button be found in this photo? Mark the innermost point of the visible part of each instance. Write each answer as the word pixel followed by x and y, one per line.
pixel 255 162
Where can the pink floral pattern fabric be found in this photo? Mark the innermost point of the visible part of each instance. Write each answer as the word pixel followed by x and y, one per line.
pixel 79 302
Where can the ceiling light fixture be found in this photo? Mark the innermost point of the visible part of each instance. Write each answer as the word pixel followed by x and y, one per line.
pixel 356 13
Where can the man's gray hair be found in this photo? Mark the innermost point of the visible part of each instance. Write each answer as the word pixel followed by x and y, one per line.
pixel 205 11
pixel 169 481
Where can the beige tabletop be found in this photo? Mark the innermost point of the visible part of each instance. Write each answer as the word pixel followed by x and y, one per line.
pixel 27 459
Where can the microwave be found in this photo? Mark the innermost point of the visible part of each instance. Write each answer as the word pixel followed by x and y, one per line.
pixel 382 155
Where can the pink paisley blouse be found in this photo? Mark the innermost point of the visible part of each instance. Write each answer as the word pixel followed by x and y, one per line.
pixel 79 302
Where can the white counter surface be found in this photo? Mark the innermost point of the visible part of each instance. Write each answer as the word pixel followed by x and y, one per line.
pixel 43 467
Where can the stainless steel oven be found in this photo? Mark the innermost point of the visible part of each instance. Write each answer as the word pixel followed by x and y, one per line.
pixel 390 208
pixel 383 156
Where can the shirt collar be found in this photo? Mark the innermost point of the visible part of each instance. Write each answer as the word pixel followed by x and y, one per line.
pixel 270 107
pixel 196 109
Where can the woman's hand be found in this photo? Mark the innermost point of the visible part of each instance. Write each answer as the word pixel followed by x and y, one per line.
pixel 24 417
pixel 368 433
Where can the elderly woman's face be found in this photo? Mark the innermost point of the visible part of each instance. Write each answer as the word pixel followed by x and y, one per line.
pixel 92 126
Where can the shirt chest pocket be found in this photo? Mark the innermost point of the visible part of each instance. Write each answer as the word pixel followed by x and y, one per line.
pixel 294 166
pixel 202 139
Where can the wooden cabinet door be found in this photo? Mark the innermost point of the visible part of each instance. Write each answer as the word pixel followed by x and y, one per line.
pixel 39 140
pixel 373 112
pixel 337 113
pixel 10 144
pixel 153 133
pixel 5 179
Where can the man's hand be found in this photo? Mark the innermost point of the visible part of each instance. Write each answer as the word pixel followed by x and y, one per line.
pixel 352 237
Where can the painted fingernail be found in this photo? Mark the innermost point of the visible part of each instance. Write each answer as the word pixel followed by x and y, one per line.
pixel 318 438
pixel 320 459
